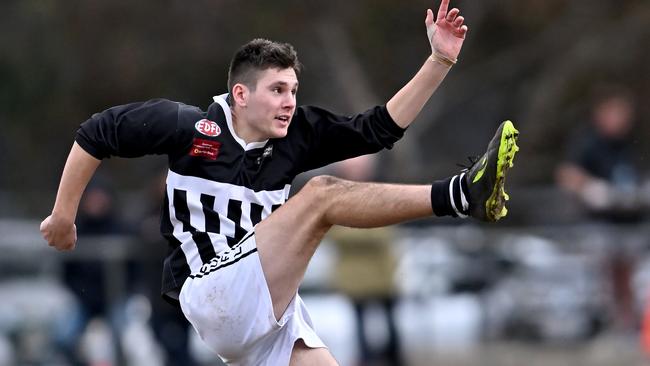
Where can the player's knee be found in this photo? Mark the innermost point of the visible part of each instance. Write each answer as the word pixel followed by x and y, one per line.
pixel 323 188
pixel 323 181
pixel 326 182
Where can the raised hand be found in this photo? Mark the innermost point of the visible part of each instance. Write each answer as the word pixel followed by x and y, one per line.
pixel 447 33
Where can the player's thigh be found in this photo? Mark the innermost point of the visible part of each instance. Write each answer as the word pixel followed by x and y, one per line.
pixel 297 227
pixel 286 241
pixel 305 356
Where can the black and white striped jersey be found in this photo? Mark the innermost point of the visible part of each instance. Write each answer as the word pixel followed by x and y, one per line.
pixel 219 187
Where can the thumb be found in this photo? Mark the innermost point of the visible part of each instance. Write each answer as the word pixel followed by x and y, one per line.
pixel 429 24
pixel 428 21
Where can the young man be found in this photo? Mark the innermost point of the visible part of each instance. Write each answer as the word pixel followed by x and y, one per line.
pixel 236 258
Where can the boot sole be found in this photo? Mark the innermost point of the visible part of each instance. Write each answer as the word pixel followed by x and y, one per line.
pixel 495 206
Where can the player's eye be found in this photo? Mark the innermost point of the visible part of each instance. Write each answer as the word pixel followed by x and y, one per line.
pixel 294 91
pixel 277 89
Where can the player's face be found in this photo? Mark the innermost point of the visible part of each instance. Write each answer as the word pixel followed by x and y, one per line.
pixel 272 103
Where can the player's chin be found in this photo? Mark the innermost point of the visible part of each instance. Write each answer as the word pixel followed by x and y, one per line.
pixel 280 131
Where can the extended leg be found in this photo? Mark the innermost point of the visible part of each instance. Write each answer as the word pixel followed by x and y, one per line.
pixel 287 239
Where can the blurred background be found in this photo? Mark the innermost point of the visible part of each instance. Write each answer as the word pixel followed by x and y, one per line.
pixel 564 279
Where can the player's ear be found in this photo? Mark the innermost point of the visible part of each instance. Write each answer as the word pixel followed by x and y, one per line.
pixel 240 93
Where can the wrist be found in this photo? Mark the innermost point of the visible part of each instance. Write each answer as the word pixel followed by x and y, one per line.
pixel 442 59
pixel 63 216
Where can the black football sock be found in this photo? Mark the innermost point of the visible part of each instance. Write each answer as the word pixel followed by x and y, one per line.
pixel 448 197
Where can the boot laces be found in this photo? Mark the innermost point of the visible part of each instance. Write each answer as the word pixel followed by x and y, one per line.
pixel 472 160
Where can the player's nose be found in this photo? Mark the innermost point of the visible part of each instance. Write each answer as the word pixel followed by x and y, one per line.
pixel 289 101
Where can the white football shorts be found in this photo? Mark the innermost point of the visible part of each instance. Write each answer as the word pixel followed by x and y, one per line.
pixel 229 305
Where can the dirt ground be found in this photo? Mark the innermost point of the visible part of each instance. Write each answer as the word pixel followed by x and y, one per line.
pixel 606 350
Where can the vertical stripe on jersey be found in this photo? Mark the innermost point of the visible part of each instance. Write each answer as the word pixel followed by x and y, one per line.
pixel 234 214
pixel 256 213
pixel 186 204
pixel 275 207
pixel 179 216
pixel 175 267
pixel 182 211
pixel 211 216
pixel 204 244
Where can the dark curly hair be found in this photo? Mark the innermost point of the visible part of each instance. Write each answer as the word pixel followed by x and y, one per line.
pixel 258 55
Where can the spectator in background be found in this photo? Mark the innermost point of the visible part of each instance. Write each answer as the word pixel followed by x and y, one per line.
pixel 96 217
pixel 365 270
pixel 601 167
pixel 602 170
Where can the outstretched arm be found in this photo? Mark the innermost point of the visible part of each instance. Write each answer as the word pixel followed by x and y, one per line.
pixel 128 130
pixel 446 35
pixel 59 229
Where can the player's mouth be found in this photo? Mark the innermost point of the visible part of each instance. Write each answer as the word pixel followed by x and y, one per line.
pixel 284 119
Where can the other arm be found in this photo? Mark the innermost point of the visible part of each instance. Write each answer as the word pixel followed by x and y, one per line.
pixel 59 229
pixel 446 36
pixel 130 130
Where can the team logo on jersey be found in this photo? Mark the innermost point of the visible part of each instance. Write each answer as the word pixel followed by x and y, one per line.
pixel 207 127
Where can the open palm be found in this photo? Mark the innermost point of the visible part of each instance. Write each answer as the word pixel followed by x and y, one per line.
pixel 447 33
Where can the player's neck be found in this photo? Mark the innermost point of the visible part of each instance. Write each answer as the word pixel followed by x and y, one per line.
pixel 244 130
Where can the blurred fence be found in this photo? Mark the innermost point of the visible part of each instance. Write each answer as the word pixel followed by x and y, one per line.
pixel 465 291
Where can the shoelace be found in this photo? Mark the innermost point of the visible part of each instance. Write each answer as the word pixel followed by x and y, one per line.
pixel 472 160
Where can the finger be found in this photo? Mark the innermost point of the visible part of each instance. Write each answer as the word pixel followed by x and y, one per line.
pixel 462 32
pixel 63 246
pixel 428 21
pixel 459 21
pixel 44 224
pixel 451 16
pixel 69 246
pixel 46 235
pixel 442 10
